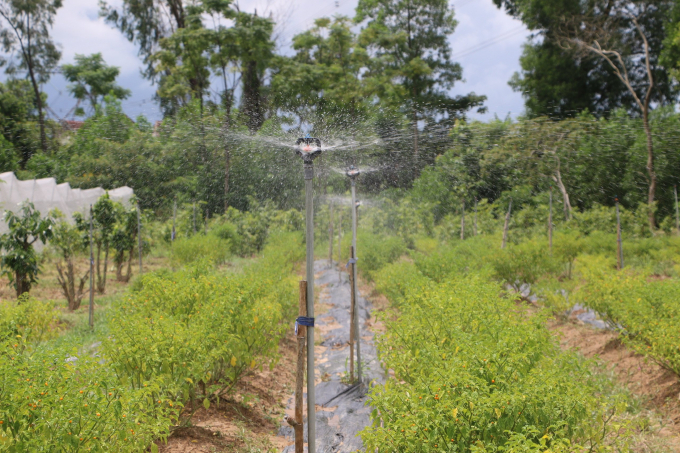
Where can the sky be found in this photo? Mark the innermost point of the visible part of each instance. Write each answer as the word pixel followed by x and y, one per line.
pixel 487 43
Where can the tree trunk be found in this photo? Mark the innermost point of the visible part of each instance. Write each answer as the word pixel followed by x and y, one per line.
pixel 252 102
pixel 557 177
pixel 38 103
pixel 650 170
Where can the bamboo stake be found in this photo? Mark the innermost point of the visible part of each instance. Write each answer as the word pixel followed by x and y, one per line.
pixel 550 224
pixel 474 225
pixel 91 307
pixel 507 224
pixel 619 241
pixel 330 238
pixel 677 214
pixel 298 423
pixel 462 223
pixel 339 244
pixel 352 309
pixel 139 238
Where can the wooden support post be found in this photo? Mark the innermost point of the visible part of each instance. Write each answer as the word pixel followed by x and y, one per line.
pixel 619 242
pixel 462 223
pixel 677 214
pixel 550 224
pixel 339 244
pixel 330 237
pixel 474 225
pixel 298 424
pixel 507 224
pixel 352 309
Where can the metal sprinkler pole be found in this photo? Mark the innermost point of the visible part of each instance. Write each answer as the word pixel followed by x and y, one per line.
pixel 139 238
pixel 353 173
pixel 91 309
pixel 330 237
pixel 311 148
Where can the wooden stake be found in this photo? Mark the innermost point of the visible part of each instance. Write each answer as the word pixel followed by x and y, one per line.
pixel 339 244
pixel 677 215
pixel 507 224
pixel 330 238
pixel 619 243
pixel 550 224
pixel 352 308
pixel 474 225
pixel 298 424
pixel 462 223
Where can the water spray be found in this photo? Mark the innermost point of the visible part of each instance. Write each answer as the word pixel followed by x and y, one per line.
pixel 308 149
pixel 353 173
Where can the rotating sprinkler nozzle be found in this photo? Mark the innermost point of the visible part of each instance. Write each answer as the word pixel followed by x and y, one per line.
pixel 308 148
pixel 352 172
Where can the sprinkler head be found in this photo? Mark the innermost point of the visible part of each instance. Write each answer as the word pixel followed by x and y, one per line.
pixel 352 172
pixel 308 148
pixel 357 204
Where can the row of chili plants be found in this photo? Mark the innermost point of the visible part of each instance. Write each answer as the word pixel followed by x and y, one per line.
pixel 176 339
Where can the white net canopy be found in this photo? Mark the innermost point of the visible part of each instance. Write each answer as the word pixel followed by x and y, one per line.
pixel 46 194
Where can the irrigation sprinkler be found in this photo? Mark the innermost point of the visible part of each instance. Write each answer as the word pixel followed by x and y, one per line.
pixel 308 149
pixel 91 308
pixel 353 173
pixel 139 237
pixel 619 242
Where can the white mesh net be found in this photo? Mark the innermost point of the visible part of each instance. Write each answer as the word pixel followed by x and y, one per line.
pixel 46 194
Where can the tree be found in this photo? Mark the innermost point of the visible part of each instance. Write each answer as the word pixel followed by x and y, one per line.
pixel 19 261
pixel 27 33
pixel 68 241
pixel 411 64
pixel 104 213
pixel 93 79
pixel 123 240
pixel 600 33
pixel 145 23
pixel 17 120
pixel 558 81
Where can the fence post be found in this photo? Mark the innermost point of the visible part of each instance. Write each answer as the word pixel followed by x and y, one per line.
pixel 507 224
pixel 550 224
pixel 619 243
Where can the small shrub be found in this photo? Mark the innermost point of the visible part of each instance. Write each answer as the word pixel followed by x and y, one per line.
pixel 200 247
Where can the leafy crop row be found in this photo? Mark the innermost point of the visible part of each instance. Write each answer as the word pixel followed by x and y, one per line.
pixel 471 372
pixel 176 338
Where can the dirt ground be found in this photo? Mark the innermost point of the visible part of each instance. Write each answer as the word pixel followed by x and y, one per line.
pixel 248 419
pixel 658 388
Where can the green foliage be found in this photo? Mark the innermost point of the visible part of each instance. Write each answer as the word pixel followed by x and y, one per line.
pixel 27 320
pixel 471 371
pixel 210 248
pixel 375 251
pixel 68 241
pixel 92 79
pixel 523 263
pixel 177 337
pixel 19 261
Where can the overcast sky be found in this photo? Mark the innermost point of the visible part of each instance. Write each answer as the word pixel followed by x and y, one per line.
pixel 487 43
